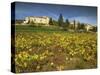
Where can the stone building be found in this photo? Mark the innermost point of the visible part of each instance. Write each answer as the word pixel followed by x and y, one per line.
pixel 38 20
pixel 74 24
pixel 87 27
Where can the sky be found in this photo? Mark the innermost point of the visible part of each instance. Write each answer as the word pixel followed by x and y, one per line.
pixel 84 14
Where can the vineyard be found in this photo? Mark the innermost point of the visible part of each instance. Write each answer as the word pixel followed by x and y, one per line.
pixel 55 51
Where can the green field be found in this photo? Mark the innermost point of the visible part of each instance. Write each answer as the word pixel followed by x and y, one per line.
pixel 31 28
pixel 53 49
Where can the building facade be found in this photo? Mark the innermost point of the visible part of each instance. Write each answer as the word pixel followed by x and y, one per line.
pixel 38 20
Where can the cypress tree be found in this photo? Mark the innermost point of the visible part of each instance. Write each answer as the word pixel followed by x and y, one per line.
pixel 60 20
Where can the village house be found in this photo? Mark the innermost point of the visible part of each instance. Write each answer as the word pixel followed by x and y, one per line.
pixel 36 19
pixel 87 27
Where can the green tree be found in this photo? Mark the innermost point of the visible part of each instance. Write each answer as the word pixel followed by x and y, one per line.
pixel 50 21
pixel 78 27
pixel 67 23
pixel 94 29
pixel 82 26
pixel 60 20
pixel 74 22
pixel 55 22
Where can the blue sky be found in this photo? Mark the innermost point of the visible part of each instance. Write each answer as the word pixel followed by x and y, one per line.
pixel 84 14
